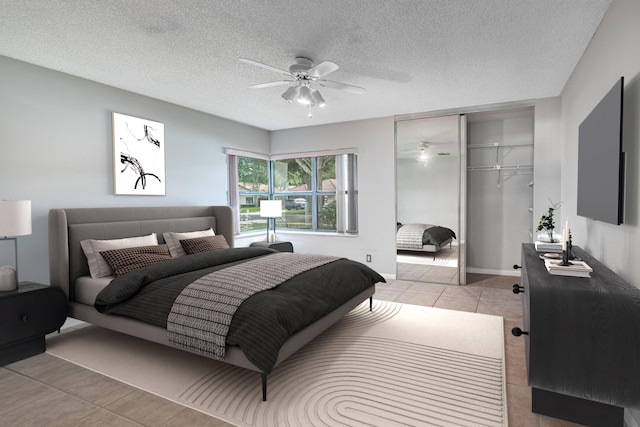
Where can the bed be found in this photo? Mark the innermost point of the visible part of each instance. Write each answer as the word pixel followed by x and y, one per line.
pixel 423 237
pixel 70 271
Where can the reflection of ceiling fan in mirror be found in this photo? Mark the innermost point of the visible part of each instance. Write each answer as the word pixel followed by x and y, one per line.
pixel 304 78
pixel 424 149
pixel 423 155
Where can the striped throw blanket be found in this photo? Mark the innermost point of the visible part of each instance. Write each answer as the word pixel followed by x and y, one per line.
pixel 200 317
pixel 410 236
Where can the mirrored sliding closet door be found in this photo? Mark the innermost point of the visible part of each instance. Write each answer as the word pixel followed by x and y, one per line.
pixel 430 189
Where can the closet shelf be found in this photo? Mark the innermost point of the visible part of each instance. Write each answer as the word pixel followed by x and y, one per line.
pixel 499 167
pixel 499 144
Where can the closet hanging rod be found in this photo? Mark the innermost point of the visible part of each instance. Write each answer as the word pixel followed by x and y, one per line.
pixel 499 167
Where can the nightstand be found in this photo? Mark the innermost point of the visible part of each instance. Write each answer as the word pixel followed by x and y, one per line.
pixel 27 314
pixel 278 246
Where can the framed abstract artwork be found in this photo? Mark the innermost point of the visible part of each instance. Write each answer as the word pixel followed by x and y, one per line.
pixel 138 156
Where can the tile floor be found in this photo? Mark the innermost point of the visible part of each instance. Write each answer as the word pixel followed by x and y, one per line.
pixel 46 391
pixel 422 267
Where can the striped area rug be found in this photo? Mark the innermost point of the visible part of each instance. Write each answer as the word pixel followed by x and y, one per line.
pixel 400 365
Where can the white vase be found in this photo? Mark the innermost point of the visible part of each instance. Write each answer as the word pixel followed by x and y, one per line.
pixel 543 236
pixel 7 278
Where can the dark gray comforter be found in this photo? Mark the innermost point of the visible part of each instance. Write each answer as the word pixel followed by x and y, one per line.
pixel 431 234
pixel 437 235
pixel 264 321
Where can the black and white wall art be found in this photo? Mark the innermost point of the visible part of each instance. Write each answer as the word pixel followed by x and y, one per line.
pixel 138 151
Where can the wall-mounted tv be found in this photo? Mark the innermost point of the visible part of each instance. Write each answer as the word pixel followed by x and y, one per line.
pixel 601 160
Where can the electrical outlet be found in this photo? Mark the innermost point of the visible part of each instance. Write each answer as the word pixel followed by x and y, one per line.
pixel 368 257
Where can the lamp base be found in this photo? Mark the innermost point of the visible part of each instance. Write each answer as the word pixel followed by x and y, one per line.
pixel 8 281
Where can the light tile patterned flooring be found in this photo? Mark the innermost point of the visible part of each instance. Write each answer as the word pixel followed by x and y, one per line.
pixel 427 268
pixel 46 391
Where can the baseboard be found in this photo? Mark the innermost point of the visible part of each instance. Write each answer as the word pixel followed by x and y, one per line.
pixel 493 272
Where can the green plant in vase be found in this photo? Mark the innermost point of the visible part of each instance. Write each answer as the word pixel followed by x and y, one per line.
pixel 547 222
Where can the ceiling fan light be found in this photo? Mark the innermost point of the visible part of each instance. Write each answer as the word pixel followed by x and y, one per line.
pixel 290 94
pixel 422 156
pixel 304 97
pixel 317 98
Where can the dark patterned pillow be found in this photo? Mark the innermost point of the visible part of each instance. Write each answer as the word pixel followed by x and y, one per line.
pixel 125 260
pixel 204 244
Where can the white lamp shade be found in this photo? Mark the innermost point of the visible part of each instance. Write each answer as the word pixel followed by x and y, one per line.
pixel 290 94
pixel 305 96
pixel 15 218
pixel 271 208
pixel 317 98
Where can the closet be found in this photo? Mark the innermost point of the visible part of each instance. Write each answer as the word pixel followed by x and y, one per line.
pixel 499 188
pixel 472 173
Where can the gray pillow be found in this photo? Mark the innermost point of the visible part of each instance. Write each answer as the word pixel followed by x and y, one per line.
pixel 92 248
pixel 173 240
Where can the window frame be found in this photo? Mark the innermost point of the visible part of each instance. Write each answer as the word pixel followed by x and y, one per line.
pixel 313 194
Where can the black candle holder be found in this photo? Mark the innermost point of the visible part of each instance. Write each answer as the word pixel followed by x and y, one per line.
pixel 570 248
pixel 565 258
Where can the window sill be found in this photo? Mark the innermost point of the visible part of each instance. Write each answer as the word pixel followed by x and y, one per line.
pixel 313 233
pixel 263 233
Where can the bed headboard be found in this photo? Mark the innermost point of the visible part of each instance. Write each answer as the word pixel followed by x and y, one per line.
pixel 67 227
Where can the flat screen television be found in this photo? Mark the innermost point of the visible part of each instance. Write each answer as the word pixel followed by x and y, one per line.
pixel 601 160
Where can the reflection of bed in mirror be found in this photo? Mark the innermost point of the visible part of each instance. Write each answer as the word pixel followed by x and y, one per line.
pixel 423 237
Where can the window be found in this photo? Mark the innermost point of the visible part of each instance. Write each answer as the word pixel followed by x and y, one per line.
pixel 318 193
pixel 253 186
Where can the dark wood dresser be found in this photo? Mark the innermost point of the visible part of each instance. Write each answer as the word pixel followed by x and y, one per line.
pixel 27 314
pixel 582 341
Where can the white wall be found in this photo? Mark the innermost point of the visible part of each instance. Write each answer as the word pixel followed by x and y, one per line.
pixel 613 52
pixel 374 140
pixel 56 150
pixel 428 193
pixel 547 155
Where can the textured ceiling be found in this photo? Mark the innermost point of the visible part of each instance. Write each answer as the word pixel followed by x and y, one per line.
pixel 411 55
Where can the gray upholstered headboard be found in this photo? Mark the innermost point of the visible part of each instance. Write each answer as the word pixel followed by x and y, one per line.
pixel 67 227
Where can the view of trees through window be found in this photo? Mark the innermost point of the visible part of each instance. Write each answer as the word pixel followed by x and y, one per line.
pixel 307 187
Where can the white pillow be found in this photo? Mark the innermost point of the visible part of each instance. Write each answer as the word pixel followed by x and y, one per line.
pixel 98 267
pixel 173 240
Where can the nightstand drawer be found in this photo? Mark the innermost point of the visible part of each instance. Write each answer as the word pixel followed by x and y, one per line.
pixel 25 315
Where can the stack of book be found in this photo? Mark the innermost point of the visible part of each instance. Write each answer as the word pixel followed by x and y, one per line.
pixel 548 247
pixel 577 268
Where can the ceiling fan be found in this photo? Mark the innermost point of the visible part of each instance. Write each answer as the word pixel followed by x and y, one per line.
pixel 304 78
pixel 424 150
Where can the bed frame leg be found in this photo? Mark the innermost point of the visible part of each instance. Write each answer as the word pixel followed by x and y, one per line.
pixel 370 303
pixel 264 387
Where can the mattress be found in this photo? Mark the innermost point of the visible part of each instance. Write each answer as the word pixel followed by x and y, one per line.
pixel 87 288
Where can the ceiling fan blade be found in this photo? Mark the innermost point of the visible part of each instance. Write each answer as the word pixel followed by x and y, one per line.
pixel 265 66
pixel 322 69
pixel 270 84
pixel 342 86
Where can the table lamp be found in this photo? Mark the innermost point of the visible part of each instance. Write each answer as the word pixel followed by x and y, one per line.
pixel 15 220
pixel 271 209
